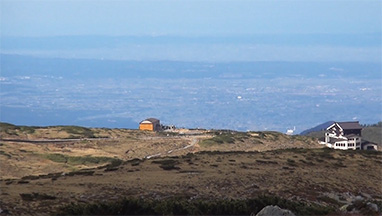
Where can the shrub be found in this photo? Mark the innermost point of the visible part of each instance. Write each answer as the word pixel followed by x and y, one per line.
pixel 329 200
pixel 83 160
pixel 81 131
pixel 59 158
pixel 266 162
pixel 291 162
pixel 81 172
pixel 219 139
pixel 28 130
pixel 168 164
pixel 36 196
pixel 5 154
pixel 11 129
pixel 134 162
pixel 181 206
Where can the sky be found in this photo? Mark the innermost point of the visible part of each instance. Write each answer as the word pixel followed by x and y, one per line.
pixel 199 18
pixel 190 17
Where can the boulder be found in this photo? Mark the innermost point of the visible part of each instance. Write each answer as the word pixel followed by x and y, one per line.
pixel 372 207
pixel 274 211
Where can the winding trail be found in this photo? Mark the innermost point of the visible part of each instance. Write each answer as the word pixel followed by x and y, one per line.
pixel 194 141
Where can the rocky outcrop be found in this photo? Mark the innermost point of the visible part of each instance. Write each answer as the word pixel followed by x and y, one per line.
pixel 363 206
pixel 274 211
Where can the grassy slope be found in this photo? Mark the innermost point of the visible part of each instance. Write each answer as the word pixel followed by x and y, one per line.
pixel 299 174
pixel 227 166
pixel 29 132
pixel 31 158
pixel 255 141
pixel 372 134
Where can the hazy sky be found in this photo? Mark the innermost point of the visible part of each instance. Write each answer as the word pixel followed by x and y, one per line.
pixel 197 17
pixel 331 30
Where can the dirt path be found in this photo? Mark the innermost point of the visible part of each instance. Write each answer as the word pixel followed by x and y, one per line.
pixel 194 141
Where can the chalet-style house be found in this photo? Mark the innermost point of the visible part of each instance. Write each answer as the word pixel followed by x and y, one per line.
pixel 150 124
pixel 344 135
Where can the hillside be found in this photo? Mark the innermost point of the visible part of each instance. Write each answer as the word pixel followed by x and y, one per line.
pixel 68 148
pixel 317 128
pixel 46 168
pixel 336 177
pixel 373 134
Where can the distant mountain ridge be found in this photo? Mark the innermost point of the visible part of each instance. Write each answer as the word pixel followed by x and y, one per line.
pixel 317 128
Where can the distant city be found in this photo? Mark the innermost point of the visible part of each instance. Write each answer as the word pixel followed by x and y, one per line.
pixel 239 96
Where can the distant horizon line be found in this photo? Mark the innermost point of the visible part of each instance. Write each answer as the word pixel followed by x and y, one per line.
pixel 184 61
pixel 198 35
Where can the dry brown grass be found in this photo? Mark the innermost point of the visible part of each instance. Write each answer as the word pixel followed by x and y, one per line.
pixel 236 165
pixel 291 173
pixel 28 158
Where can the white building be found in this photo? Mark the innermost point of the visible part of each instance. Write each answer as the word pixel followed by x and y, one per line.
pixel 343 135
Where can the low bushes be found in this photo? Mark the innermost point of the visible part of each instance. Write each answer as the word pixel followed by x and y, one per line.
pixel 82 160
pixel 181 206
pixel 80 132
pixel 11 129
pixel 168 164
pixel 5 154
pixel 36 196
pixel 225 137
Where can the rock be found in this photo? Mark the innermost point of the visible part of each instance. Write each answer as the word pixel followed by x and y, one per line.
pixel 372 206
pixel 367 196
pixel 344 208
pixel 274 211
pixel 4 211
pixel 358 198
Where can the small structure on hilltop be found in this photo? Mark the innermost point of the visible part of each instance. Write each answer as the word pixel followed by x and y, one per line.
pixel 290 131
pixel 366 145
pixel 168 127
pixel 150 124
pixel 343 135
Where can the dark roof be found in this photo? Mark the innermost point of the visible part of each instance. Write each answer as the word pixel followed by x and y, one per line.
pixel 152 120
pixel 365 142
pixel 349 125
pixel 352 135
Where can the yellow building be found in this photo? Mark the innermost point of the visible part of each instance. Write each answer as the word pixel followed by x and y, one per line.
pixel 150 124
